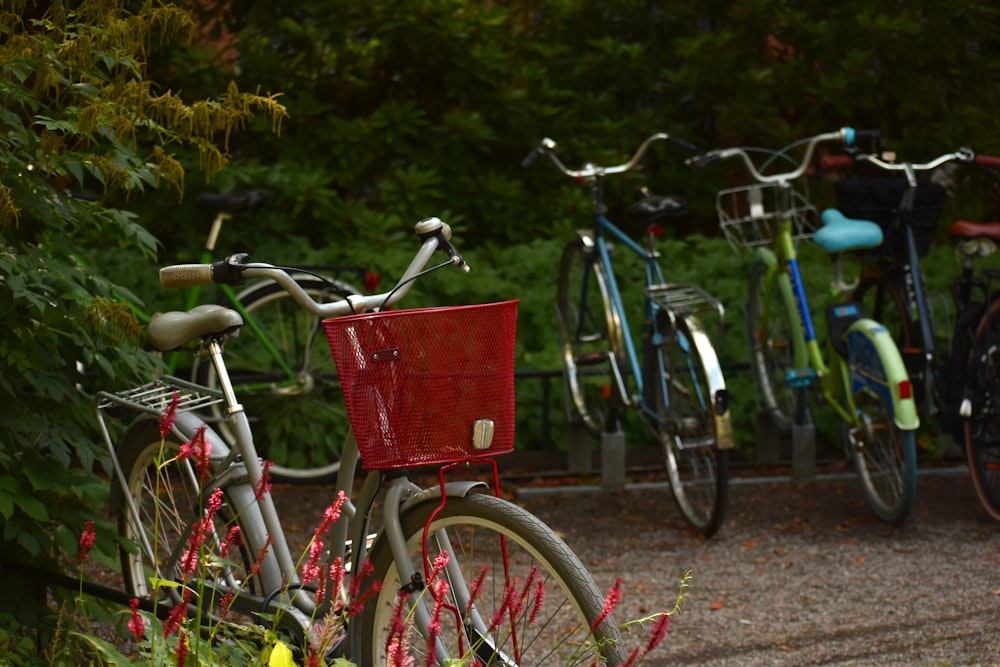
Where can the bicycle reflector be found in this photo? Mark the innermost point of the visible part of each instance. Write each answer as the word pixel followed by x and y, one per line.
pixel 905 389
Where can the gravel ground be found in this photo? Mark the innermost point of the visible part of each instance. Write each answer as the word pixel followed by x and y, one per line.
pixel 801 573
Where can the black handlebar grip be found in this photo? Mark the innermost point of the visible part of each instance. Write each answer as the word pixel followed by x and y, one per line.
pixel 186 275
pixel 531 157
pixel 703 160
pixel 868 141
pixel 688 146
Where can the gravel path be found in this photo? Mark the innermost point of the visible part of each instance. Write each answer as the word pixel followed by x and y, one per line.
pixel 801 573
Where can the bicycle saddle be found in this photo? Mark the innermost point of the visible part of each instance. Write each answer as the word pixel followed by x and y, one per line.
pixel 649 208
pixel 233 202
pixel 975 230
pixel 840 233
pixel 170 330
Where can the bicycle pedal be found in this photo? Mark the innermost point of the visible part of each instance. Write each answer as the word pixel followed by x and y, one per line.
pixel 797 378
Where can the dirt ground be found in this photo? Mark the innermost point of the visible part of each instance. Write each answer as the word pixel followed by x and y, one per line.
pixel 801 573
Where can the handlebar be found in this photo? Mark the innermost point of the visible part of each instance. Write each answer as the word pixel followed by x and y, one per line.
pixel 846 135
pixel 591 172
pixel 233 270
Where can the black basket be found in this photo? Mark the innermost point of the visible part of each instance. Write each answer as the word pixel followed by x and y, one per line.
pixel 878 199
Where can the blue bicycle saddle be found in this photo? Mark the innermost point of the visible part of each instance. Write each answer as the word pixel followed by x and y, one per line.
pixel 840 233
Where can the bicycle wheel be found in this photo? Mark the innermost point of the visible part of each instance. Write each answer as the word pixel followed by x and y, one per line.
pixel 169 500
pixel 884 455
pixel 591 335
pixel 982 428
pixel 677 376
pixel 297 411
pixel 553 628
pixel 770 322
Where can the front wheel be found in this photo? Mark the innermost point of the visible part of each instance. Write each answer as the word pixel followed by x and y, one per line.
pixel 770 325
pixel 512 592
pixel 982 427
pixel 687 424
pixel 288 384
pixel 590 334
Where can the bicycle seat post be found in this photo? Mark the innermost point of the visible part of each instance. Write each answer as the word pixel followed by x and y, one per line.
pixel 213 234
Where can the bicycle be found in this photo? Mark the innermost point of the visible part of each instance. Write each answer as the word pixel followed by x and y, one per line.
pixel 407 414
pixel 861 375
pixel 679 389
pixel 283 371
pixel 955 382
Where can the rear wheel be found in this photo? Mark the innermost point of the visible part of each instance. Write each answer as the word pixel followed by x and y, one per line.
pixel 591 336
pixel 770 322
pixel 169 499
pixel 677 376
pixel 884 456
pixel 298 415
pixel 506 550
pixel 982 429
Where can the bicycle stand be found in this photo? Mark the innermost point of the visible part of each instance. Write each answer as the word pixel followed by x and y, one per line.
pixel 579 454
pixel 802 437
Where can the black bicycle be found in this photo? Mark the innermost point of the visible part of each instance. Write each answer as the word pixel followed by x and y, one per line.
pixel 955 368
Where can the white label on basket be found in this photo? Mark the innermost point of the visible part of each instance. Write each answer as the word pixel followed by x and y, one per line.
pixel 482 434
pixel 386 355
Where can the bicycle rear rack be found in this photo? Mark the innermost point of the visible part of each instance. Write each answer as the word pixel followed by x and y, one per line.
pixel 155 397
pixel 680 300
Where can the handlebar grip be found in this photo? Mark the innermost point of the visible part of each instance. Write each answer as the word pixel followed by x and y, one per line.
pixel 828 162
pixel 186 275
pixel 703 160
pixel 990 161
pixel 530 158
pixel 870 141
pixel 686 145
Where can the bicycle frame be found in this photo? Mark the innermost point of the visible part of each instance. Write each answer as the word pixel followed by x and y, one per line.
pixel 837 376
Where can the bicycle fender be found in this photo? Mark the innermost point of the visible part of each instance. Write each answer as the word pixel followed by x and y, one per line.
pixel 451 490
pixel 873 361
pixel 716 384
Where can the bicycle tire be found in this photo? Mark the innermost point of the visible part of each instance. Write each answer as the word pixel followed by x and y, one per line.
pixel 299 424
pixel 169 498
pixel 883 454
pixel 571 603
pixel 770 322
pixel 677 377
pixel 591 336
pixel 982 428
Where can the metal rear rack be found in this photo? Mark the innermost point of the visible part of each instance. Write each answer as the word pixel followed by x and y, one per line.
pixel 680 299
pixel 154 397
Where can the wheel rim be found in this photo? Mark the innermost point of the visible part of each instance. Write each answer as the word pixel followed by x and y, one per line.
pixel 771 348
pixel 883 456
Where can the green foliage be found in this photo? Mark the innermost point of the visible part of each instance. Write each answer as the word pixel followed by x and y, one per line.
pixel 77 114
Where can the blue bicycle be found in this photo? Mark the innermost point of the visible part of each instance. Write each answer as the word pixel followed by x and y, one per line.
pixel 677 386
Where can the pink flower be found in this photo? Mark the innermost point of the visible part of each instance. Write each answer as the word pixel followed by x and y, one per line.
pixel 176 615
pixel 182 648
pixel 610 602
pixel 199 449
pixel 536 607
pixel 168 418
pixel 86 540
pixel 476 588
pixel 263 485
pixel 226 602
pixel 659 631
pixel 233 539
pixel 439 589
pixel 135 622
pixel 439 563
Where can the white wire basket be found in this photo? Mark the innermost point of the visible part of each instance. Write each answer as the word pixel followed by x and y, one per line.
pixel 750 215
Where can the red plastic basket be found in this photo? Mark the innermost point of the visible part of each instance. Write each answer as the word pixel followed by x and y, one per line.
pixel 424 386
